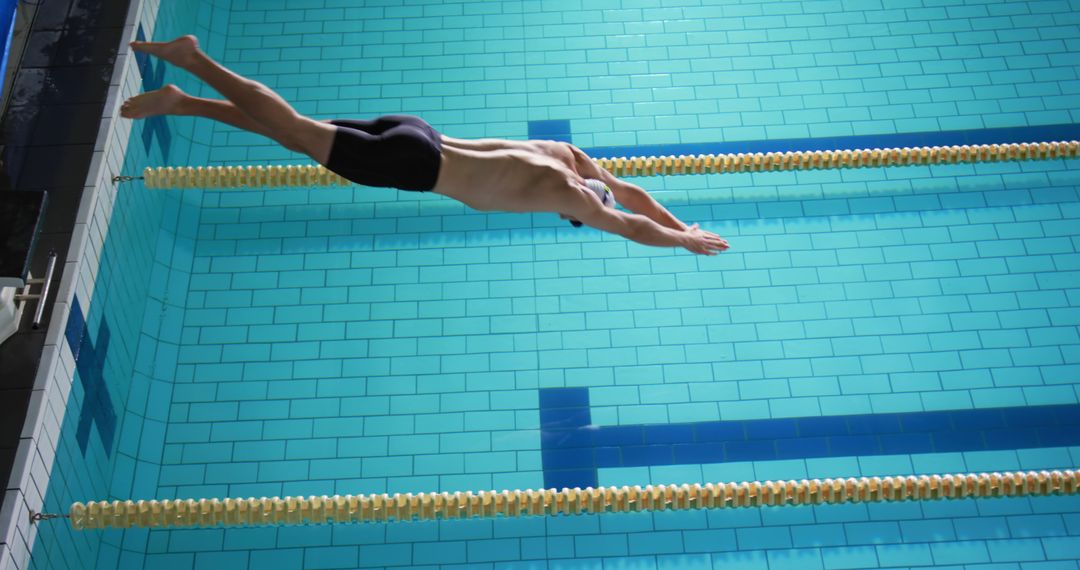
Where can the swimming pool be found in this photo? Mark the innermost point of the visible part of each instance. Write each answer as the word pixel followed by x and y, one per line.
pixel 357 340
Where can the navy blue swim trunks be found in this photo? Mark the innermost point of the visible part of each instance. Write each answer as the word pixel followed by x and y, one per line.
pixel 394 151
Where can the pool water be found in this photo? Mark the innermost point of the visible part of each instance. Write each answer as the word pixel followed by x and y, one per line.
pixel 359 340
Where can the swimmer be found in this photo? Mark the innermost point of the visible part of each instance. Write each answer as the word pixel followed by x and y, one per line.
pixel 404 152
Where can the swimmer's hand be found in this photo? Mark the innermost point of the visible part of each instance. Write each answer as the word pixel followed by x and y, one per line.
pixel 703 242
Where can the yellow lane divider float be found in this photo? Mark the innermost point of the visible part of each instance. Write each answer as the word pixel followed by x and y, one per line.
pixel 225 177
pixel 490 504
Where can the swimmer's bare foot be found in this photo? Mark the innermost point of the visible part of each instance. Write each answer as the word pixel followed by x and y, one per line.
pixel 177 52
pixel 158 102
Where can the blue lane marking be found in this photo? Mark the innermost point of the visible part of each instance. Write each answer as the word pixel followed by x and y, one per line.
pixel 7 27
pixel 76 326
pixel 97 407
pixel 1045 133
pixel 153 77
pixel 553 130
pixel 573 450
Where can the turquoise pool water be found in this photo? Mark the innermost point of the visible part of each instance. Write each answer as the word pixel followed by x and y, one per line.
pixel 358 340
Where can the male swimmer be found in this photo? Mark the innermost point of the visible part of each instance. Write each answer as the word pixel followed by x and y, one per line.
pixel 405 152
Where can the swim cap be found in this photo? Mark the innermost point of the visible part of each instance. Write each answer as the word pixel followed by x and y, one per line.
pixel 602 192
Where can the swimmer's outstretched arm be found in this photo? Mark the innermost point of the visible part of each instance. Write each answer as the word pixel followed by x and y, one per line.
pixel 637 200
pixel 631 196
pixel 643 229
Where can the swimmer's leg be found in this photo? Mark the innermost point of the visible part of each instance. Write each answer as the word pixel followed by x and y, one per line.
pixel 276 118
pixel 170 100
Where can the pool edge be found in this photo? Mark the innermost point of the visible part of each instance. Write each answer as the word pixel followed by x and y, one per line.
pixel 52 383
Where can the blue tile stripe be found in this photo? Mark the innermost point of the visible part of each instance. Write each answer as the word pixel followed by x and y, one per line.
pixel 89 354
pixel 76 326
pixel 153 77
pixel 551 130
pixel 1044 133
pixel 572 449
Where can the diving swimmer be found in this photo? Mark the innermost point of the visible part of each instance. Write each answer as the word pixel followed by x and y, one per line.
pixel 405 152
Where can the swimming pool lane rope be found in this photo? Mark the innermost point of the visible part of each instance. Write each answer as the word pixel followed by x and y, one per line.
pixel 186 513
pixel 226 177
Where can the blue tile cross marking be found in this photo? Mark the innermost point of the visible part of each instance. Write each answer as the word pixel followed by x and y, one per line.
pixel 97 406
pixel 153 77
pixel 553 130
pixel 573 450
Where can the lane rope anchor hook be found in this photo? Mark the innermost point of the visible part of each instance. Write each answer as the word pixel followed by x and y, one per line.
pixel 38 517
